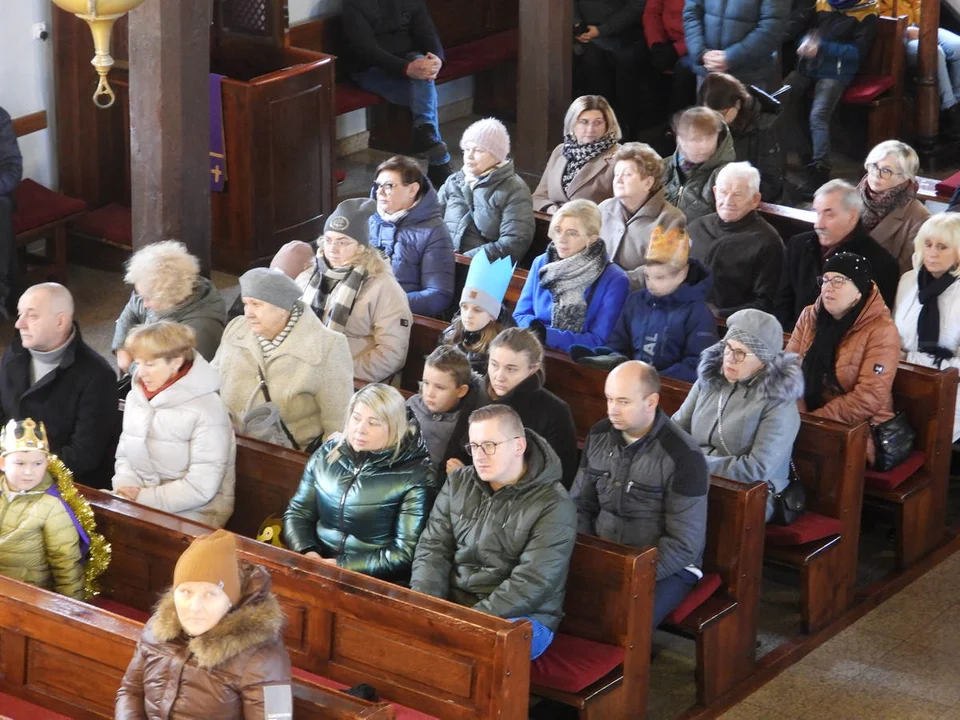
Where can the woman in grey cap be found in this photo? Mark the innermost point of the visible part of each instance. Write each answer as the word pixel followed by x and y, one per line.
pixel 352 290
pixel 742 410
pixel 279 353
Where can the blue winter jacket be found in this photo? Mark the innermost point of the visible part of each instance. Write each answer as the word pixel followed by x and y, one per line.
pixel 608 294
pixel 668 332
pixel 420 250
pixel 846 37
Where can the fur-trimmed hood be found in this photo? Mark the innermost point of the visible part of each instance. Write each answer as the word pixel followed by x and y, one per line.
pixel 257 620
pixel 781 378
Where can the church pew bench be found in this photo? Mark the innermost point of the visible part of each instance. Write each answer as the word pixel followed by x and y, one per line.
pixel 424 653
pixel 45 638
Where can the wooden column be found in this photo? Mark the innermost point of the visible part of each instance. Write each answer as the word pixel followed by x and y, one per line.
pixel 544 67
pixel 928 95
pixel 169 124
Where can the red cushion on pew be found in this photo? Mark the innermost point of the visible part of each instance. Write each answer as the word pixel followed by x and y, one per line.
pixel 17 709
pixel 701 591
pixel 478 55
pixel 570 663
pixel 351 97
pixel 119 609
pixel 866 89
pixel 111 223
pixel 38 205
pixel 400 712
pixel 948 186
pixel 891 478
pixel 808 527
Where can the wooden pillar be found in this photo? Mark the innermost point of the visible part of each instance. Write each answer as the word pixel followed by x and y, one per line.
pixel 544 67
pixel 169 124
pixel 928 95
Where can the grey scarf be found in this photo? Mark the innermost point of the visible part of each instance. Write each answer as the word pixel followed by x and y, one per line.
pixel 568 280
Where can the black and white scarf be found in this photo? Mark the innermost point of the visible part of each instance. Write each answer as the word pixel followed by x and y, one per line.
pixel 929 290
pixel 332 292
pixel 578 155
pixel 269 346
pixel 567 281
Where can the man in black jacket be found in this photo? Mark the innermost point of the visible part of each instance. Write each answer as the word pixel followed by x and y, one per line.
pixel 11 172
pixel 837 229
pixel 49 374
pixel 643 482
pixel 396 53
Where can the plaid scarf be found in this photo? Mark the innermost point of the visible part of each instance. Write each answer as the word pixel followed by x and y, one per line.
pixel 567 281
pixel 268 346
pixel 332 292
pixel 578 155
pixel 876 206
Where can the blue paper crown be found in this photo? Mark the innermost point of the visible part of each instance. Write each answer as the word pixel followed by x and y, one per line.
pixel 492 278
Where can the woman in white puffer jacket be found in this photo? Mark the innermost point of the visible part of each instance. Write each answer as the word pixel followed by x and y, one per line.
pixel 177 450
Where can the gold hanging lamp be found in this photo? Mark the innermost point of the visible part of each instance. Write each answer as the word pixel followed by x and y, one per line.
pixel 100 15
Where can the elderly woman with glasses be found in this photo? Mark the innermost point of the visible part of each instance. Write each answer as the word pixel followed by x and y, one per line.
pixel 742 410
pixel 891 212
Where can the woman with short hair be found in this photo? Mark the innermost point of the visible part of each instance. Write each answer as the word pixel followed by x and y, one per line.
pixel 581 167
pixel 177 451
pixel 365 495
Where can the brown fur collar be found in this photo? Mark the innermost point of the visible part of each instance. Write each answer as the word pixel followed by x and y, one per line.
pixel 257 619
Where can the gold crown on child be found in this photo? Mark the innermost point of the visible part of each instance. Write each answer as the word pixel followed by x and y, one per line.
pixel 24 436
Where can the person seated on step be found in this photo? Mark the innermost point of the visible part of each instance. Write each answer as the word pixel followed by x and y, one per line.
pixel 502 532
pixel 849 347
pixel 482 316
pixel 837 229
pixel 177 450
pixel 742 410
pixel 395 52
pixel 213 647
pixel 365 495
pixel 351 288
pixel 167 285
pixel 742 251
pixel 280 358
pixel 448 394
pixel 11 173
pixel 667 323
pixel 643 482
pixel 408 229
pixel 581 167
pixel 704 145
pixel 486 205
pixel 573 293
pixel 638 206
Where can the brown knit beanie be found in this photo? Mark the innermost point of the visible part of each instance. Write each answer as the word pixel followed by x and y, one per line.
pixel 212 559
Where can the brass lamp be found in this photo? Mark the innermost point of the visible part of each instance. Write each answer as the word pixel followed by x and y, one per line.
pixel 100 15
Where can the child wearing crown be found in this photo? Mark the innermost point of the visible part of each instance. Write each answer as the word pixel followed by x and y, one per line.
pixel 46 527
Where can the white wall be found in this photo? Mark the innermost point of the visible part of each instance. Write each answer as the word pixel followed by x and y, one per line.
pixel 26 82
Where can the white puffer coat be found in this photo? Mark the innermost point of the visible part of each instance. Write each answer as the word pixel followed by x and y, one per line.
pixel 179 448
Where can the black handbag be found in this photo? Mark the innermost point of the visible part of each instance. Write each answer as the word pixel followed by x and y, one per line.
pixel 791 502
pixel 894 441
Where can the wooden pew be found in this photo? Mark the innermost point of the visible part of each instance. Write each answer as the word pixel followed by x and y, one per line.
pixel 69 657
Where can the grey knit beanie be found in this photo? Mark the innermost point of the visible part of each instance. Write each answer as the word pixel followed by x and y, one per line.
pixel 352 218
pixel 761 332
pixel 270 286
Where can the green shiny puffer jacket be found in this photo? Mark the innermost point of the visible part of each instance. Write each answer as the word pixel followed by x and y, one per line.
pixel 366 509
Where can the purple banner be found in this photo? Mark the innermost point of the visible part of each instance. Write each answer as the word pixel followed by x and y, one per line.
pixel 218 152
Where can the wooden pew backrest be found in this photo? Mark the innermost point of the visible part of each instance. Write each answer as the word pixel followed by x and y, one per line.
pixel 27 124
pixel 270 476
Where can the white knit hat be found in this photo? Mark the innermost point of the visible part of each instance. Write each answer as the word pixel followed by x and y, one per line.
pixel 489 134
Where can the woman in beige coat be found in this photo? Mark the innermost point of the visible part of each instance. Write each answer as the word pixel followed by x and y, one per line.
pixel 581 167
pixel 353 291
pixel 891 212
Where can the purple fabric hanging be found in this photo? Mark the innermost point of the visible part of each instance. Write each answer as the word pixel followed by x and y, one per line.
pixel 218 152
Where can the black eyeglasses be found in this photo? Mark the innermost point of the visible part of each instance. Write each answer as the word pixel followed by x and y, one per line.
pixel 837 281
pixel 387 187
pixel 489 447
pixel 737 354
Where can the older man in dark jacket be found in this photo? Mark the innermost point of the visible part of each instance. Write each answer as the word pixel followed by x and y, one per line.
pixel 49 373
pixel 501 534
pixel 11 172
pixel 643 482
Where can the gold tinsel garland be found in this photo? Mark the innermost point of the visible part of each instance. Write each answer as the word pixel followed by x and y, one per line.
pixel 98 557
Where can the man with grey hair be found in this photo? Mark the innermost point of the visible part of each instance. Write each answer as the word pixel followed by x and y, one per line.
pixel 50 374
pixel 837 229
pixel 740 249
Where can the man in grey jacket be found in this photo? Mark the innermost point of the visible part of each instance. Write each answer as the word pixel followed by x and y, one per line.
pixel 643 482
pixel 11 172
pixel 501 533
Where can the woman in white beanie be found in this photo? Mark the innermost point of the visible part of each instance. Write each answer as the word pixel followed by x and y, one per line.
pixel 486 204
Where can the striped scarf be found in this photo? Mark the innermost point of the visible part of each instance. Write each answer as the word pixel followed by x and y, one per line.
pixel 269 346
pixel 332 292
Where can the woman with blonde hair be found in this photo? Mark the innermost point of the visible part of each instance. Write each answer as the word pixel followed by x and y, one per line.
pixel 927 311
pixel 177 450
pixel 581 167
pixel 167 285
pixel 352 290
pixel 366 495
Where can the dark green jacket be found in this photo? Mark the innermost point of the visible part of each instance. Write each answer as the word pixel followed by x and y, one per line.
pixel 364 509
pixel 505 553
pixel 693 193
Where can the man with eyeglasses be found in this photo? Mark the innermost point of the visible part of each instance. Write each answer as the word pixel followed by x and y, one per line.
pixel 837 229
pixel 501 533
pixel 643 482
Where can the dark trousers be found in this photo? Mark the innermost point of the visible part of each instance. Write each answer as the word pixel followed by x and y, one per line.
pixel 610 73
pixel 8 254
pixel 670 592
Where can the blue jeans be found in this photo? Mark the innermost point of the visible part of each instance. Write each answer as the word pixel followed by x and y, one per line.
pixel 948 65
pixel 670 592
pixel 542 637
pixel 826 97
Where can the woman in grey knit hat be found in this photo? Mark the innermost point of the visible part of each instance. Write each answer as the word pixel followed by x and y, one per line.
pixel 742 410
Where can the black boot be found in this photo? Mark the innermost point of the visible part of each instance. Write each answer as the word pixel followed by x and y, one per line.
pixel 950 122
pixel 438 174
pixel 817 175
pixel 427 143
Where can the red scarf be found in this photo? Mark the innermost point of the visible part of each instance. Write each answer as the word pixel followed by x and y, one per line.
pixel 173 378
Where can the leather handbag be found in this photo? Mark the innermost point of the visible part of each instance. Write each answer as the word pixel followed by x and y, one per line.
pixel 791 502
pixel 894 441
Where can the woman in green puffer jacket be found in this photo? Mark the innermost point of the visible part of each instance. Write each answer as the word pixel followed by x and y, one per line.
pixel 365 497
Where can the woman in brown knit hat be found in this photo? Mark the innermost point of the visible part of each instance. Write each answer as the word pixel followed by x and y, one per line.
pixel 214 647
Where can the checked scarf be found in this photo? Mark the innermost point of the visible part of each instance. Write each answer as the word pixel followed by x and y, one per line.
pixel 578 155
pixel 332 292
